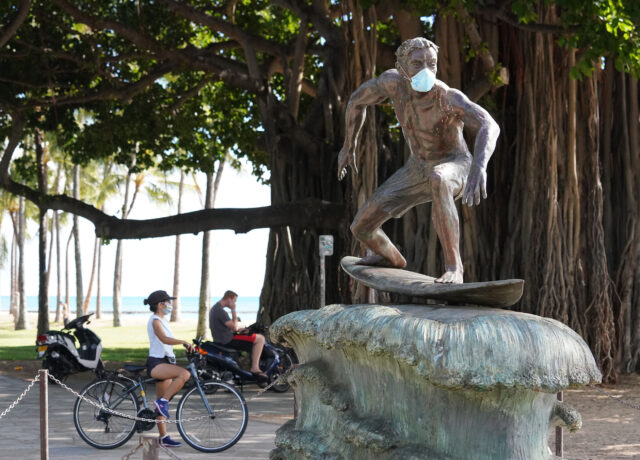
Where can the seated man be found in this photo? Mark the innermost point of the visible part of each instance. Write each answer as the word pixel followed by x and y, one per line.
pixel 225 332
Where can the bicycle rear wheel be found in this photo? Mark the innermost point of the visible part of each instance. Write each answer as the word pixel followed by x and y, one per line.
pixel 216 432
pixel 99 428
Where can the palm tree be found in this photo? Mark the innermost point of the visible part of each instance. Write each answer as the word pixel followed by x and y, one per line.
pixel 103 189
pixel 76 238
pixel 203 304
pixel 43 282
pixel 175 313
pixel 5 202
pixel 141 182
pixel 22 322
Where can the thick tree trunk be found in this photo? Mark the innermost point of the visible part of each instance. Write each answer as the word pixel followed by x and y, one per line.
pixel 308 171
pixel 623 189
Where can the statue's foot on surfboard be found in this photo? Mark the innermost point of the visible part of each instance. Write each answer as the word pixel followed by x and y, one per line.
pixel 502 293
pixel 376 260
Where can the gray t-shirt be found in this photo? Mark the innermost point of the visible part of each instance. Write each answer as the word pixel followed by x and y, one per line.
pixel 219 330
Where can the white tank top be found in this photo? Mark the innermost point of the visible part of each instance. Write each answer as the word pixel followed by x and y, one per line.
pixel 157 349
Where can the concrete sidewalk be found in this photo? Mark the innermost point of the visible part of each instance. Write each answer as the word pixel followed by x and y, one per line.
pixel 20 429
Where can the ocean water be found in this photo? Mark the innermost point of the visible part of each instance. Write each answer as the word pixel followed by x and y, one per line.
pixel 247 307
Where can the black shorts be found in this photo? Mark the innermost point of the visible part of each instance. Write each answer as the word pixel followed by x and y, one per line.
pixel 153 362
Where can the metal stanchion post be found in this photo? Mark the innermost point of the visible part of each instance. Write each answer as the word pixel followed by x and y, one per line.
pixel 322 282
pixel 559 440
pixel 44 414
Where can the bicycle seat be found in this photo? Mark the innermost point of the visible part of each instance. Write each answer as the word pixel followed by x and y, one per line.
pixel 134 368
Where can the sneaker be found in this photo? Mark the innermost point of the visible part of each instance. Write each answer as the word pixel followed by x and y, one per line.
pixel 168 442
pixel 162 406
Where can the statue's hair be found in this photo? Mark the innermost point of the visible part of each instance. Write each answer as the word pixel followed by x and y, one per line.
pixel 413 44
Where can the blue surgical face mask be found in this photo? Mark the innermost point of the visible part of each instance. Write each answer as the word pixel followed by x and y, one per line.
pixel 168 309
pixel 423 81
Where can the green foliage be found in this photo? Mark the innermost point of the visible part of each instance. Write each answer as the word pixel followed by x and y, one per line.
pixel 165 130
pixel 595 28
pixel 186 117
pixel 495 77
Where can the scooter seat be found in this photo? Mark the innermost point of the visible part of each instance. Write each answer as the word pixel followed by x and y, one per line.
pixel 216 347
pixel 133 368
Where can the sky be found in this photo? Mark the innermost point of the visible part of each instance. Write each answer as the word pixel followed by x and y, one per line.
pixel 237 260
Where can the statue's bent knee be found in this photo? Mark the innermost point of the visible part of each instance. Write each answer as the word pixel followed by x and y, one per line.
pixel 440 183
pixel 359 231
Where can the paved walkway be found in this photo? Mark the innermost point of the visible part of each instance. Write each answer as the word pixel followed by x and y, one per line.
pixel 20 438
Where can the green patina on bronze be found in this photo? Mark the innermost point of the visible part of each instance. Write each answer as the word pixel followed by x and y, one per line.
pixel 428 382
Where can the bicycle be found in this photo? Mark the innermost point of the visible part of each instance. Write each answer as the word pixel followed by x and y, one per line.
pixel 211 416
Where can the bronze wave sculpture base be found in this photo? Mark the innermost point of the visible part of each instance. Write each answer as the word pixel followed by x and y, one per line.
pixel 428 382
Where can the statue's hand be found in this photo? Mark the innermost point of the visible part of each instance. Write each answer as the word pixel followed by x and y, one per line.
pixel 346 159
pixel 476 186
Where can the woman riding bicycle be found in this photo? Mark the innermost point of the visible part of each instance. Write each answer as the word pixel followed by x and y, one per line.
pixel 161 362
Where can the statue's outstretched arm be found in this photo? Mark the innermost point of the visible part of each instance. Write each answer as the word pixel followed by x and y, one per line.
pixel 370 92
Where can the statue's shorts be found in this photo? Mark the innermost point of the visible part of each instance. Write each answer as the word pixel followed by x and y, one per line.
pixel 410 185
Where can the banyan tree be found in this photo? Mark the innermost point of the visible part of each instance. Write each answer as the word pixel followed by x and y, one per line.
pixel 559 77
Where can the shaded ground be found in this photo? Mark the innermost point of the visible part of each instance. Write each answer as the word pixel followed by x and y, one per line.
pixel 610 429
pixel 19 430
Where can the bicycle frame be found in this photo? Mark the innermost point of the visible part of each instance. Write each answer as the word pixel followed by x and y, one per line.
pixel 141 383
pixel 131 389
pixel 194 376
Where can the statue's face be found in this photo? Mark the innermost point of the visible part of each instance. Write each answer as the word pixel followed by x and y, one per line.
pixel 418 59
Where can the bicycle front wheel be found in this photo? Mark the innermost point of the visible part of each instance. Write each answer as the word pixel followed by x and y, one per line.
pixel 219 430
pixel 99 428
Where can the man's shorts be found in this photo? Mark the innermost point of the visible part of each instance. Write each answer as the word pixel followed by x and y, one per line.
pixel 409 186
pixel 242 342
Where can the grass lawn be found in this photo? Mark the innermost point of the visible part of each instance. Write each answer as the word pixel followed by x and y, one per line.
pixel 128 343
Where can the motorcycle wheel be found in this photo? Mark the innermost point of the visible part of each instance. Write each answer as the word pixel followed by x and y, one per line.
pixel 55 368
pixel 285 364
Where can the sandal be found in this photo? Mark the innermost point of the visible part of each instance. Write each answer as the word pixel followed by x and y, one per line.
pixel 260 376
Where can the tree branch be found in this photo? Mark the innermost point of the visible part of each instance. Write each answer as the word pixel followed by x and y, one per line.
pixel 126 92
pixel 319 16
pixel 139 39
pixel 231 72
pixel 302 214
pixel 184 97
pixel 12 28
pixel 530 26
pixel 17 125
pixel 227 28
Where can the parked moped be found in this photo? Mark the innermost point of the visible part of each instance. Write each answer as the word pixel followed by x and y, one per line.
pixel 60 355
pixel 221 363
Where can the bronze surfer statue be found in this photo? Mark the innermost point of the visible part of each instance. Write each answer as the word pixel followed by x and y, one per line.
pixel 440 168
